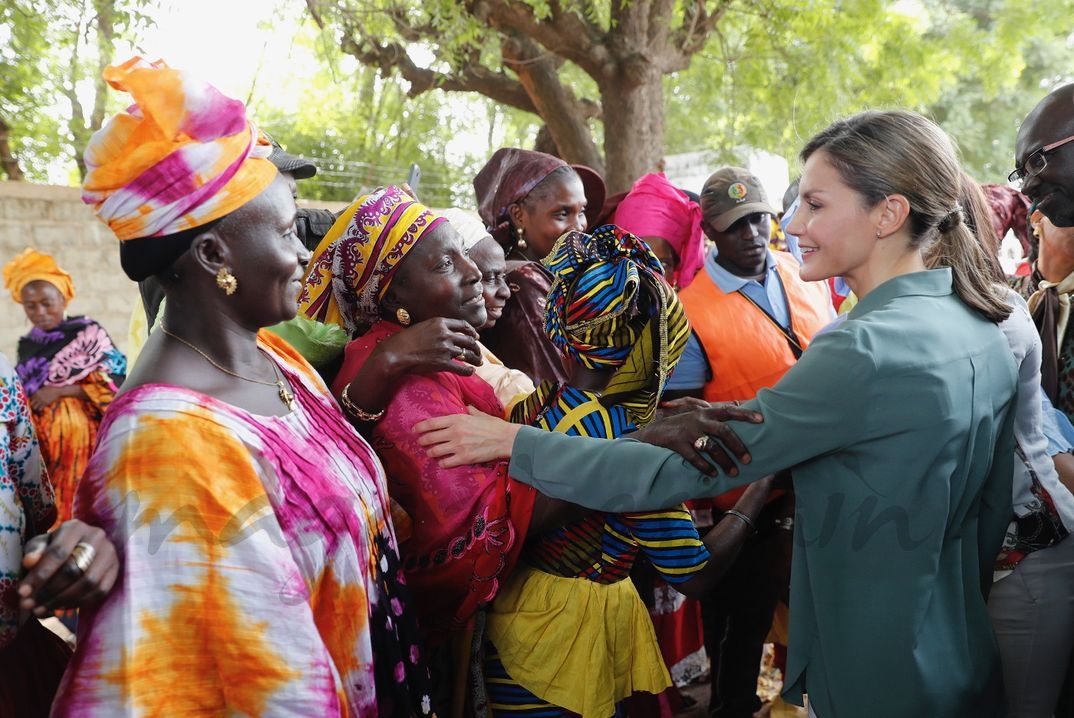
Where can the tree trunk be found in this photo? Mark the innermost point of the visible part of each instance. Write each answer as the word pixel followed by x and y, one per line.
pixel 557 105
pixel 633 111
pixel 9 163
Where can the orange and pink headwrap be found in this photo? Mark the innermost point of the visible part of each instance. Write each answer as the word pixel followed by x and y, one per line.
pixel 656 208
pixel 181 157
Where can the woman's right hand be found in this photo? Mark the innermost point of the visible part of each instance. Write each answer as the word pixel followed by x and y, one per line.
pixel 430 346
pixel 53 580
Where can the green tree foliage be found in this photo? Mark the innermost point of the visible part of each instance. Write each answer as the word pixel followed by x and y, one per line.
pixel 777 72
pixel 363 130
pixel 51 95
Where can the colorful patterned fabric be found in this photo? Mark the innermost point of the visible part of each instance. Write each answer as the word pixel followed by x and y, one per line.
pixel 33 266
pixel 597 643
pixel 469 522
pixel 260 573
pixel 182 155
pixel 26 500
pixel 603 547
pixel 77 352
pixel 355 262
pixel 656 208
pixel 609 306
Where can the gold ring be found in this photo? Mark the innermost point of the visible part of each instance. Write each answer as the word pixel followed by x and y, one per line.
pixel 82 555
pixel 701 442
pixel 462 355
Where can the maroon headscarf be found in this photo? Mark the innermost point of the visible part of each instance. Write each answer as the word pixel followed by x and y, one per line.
pixel 512 173
pixel 1010 210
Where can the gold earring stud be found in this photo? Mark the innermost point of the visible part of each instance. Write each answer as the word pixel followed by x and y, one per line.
pixel 402 316
pixel 226 281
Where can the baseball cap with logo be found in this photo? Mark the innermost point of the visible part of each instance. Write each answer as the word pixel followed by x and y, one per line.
pixel 729 195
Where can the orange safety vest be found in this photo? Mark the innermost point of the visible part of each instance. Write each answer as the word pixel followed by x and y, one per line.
pixel 745 348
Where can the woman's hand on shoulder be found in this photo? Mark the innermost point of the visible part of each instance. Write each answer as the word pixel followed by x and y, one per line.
pixel 701 433
pixel 471 438
pixel 431 346
pixel 54 580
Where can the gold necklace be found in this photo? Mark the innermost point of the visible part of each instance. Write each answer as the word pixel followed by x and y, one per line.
pixel 285 393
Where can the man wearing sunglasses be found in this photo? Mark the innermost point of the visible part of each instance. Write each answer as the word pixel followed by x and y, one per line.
pixel 1044 156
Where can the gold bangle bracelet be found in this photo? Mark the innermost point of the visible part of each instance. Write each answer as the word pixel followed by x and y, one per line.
pixel 356 411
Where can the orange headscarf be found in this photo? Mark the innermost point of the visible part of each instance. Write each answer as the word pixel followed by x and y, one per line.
pixel 32 266
pixel 182 156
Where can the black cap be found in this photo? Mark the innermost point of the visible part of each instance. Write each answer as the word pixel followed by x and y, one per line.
pixel 299 167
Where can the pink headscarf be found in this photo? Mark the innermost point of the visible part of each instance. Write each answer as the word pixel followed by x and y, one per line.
pixel 656 208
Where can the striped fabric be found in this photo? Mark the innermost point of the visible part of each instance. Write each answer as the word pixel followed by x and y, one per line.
pixel 608 308
pixel 603 547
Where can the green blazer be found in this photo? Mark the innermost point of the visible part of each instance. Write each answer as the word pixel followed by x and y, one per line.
pixel 898 427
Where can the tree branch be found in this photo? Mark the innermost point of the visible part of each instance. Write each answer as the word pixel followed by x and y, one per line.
pixel 472 77
pixel 698 23
pixel 565 33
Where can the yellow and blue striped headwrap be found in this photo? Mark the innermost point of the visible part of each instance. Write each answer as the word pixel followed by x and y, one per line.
pixel 610 307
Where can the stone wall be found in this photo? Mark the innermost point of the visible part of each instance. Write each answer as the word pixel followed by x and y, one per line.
pixel 55 221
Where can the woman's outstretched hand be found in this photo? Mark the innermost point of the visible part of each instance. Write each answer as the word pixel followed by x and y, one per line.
pixel 54 579
pixel 471 438
pixel 702 432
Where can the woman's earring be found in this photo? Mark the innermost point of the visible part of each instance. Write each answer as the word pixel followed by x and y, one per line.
pixel 402 316
pixel 1036 230
pixel 521 243
pixel 226 281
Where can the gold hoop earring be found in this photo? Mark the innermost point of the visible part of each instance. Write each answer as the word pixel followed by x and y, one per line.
pixel 402 316
pixel 521 243
pixel 226 281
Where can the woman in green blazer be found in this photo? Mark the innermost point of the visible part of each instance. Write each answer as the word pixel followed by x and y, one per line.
pixel 896 424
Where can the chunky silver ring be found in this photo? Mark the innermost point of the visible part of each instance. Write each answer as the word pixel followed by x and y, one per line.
pixel 701 443
pixel 82 555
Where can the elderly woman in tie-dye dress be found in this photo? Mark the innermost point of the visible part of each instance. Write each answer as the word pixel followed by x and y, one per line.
pixel 260 567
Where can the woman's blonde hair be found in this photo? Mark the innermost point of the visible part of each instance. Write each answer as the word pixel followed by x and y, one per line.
pixel 879 153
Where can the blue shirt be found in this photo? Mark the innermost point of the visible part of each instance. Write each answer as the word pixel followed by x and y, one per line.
pixel 692 371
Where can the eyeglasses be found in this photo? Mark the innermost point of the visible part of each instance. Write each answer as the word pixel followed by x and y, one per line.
pixel 1036 162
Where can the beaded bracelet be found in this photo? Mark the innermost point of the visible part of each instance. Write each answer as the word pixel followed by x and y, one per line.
pixel 745 519
pixel 356 411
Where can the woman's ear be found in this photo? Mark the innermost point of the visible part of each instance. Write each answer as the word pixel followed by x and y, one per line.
pixel 210 252
pixel 515 213
pixel 894 210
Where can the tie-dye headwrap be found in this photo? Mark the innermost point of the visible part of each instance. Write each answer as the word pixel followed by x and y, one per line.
pixel 182 156
pixel 656 208
pixel 609 307
pixel 30 265
pixel 354 264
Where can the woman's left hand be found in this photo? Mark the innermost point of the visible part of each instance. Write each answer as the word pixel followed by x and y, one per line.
pixel 45 396
pixel 54 580
pixel 472 438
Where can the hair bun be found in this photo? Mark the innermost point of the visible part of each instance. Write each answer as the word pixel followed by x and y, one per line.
pixel 951 220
